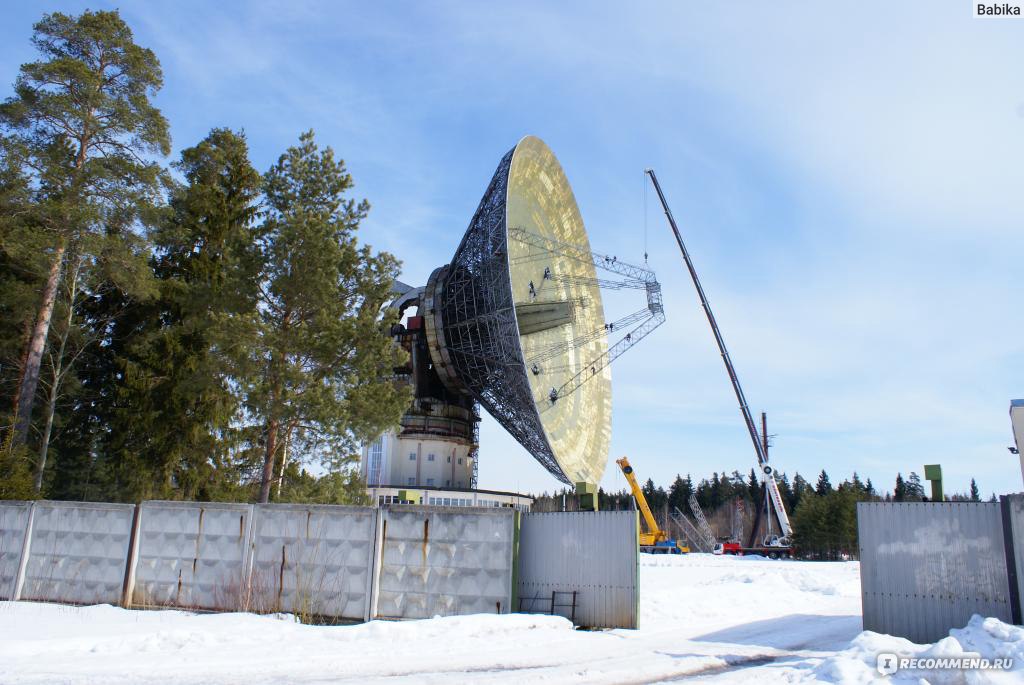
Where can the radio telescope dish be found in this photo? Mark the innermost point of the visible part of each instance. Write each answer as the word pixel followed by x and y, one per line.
pixel 516 320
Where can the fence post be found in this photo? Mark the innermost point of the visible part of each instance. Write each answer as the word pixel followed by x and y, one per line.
pixel 128 589
pixel 371 568
pixel 1006 509
pixel 248 558
pixel 378 565
pixel 636 572
pixel 26 546
pixel 516 530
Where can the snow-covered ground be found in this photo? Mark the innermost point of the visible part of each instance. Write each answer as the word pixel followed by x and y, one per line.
pixel 716 618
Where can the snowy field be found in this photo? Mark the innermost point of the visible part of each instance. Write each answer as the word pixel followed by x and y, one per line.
pixel 724 619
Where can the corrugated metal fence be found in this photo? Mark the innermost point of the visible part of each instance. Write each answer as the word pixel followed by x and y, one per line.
pixel 348 563
pixel 581 565
pixel 927 567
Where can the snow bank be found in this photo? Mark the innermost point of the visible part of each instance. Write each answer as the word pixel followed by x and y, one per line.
pixel 988 638
pixel 730 619
pixel 699 615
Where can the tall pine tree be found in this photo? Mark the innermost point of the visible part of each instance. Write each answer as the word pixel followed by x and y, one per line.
pixel 178 402
pixel 81 120
pixel 323 352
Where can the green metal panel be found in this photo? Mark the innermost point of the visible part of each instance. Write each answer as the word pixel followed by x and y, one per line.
pixel 587 493
pixel 933 473
pixel 413 496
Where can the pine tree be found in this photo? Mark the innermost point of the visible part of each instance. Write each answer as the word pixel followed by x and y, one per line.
pixel 68 345
pixel 785 490
pixel 714 492
pixel 704 492
pixel 650 490
pixel 82 121
pixel 800 487
pixel 22 274
pixel 899 494
pixel 179 368
pixel 82 464
pixel 736 483
pixel 824 486
pixel 679 493
pixel 753 487
pixel 914 488
pixel 975 494
pixel 323 351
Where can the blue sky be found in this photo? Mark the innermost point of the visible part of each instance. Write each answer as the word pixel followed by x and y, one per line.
pixel 847 177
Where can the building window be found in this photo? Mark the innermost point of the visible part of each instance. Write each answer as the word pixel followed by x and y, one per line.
pixel 460 460
pixel 449 458
pixel 412 456
pixel 430 457
pixel 376 456
pixel 447 501
pixel 430 481
pixel 412 481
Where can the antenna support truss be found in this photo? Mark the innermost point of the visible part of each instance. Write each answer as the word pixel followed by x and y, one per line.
pixel 631 328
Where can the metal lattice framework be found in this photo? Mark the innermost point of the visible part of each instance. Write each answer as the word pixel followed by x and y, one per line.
pixel 631 328
pixel 479 324
pixel 702 523
pixel 693 537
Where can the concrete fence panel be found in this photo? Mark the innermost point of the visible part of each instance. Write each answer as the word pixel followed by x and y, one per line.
pixel 78 552
pixel 314 560
pixel 927 567
pixel 14 518
pixel 192 555
pixel 592 554
pixel 444 561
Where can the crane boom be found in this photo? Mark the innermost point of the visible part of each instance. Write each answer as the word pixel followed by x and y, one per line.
pixel 762 456
pixel 653 530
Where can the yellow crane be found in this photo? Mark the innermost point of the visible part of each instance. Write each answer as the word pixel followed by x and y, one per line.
pixel 655 539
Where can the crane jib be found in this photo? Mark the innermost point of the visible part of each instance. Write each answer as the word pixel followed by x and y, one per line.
pixel 762 456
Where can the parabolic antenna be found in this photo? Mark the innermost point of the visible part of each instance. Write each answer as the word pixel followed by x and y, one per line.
pixel 517 322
